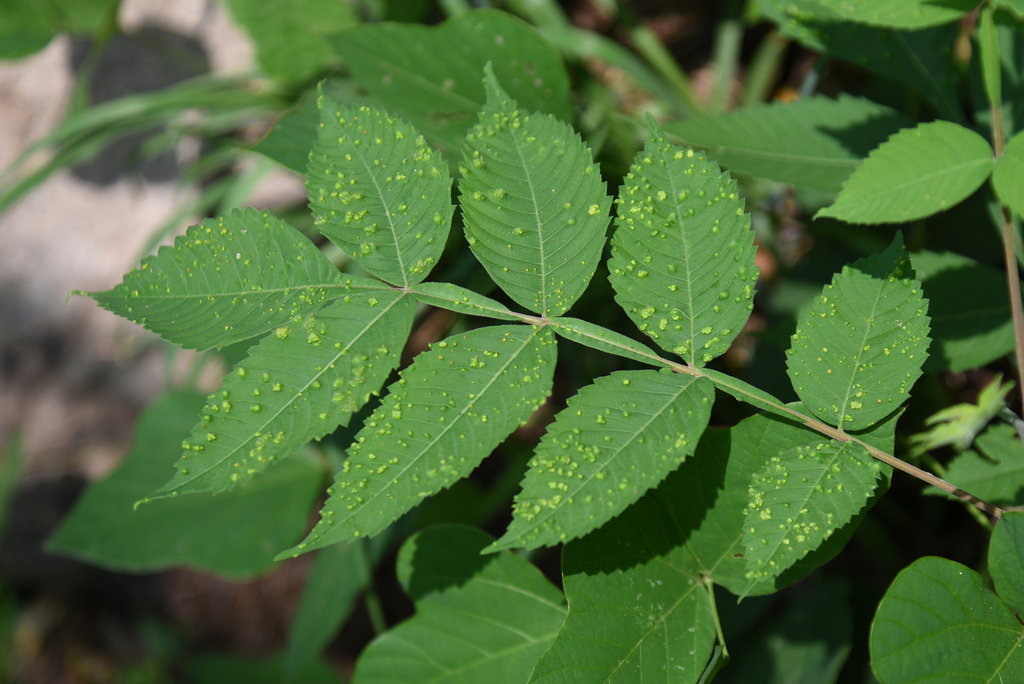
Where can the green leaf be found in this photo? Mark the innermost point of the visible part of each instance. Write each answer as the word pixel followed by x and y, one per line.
pixel 640 581
pixel 616 439
pixel 639 607
pixel 1008 174
pixel 899 14
pixel 201 531
pixel 602 339
pixel 292 38
pixel 995 472
pixel 971 323
pixel 292 138
pixel 682 261
pixel 226 280
pixel 958 425
pixel 449 410
pixel 379 192
pixel 414 70
pixel 799 498
pixel 298 384
pixel 1005 564
pixel 807 644
pixel 339 573
pixel 815 142
pixel 1016 7
pixel 938 623
pixel 218 668
pixel 859 349
pixel 460 300
pixel 10 473
pixel 921 58
pixel 918 172
pixel 533 202
pixel 24 28
pixel 478 618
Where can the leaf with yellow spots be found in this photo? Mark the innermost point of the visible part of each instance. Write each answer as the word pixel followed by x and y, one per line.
pixel 615 440
pixel 379 192
pixel 799 498
pixel 534 204
pixel 227 280
pixel 298 384
pixel 682 261
pixel 860 348
pixel 450 409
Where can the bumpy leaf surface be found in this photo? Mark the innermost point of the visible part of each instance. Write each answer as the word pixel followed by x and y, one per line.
pixel 415 71
pixel 815 142
pixel 298 384
pixel 860 348
pixel 602 339
pixel 201 531
pixel 534 204
pixel 916 173
pixel 478 618
pixel 637 598
pixel 1008 175
pixel 615 440
pixel 920 58
pixel 379 192
pixel 970 326
pixel 799 498
pixel 683 253
pixel 938 623
pixel 226 280
pixel 460 300
pixel 450 409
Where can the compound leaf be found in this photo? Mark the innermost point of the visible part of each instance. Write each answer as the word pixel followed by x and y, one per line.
pixel 1005 554
pixel 860 348
pixel 916 173
pixel 1008 174
pixel 415 70
pixel 799 498
pixel 226 280
pixel 200 531
pixel 298 384
pixel 449 410
pixel 478 618
pixel 638 585
pixel 682 261
pixel 815 142
pixel 533 202
pixel 938 619
pixel 617 438
pixel 379 192
pixel 899 14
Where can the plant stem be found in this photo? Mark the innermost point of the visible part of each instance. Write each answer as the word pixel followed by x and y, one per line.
pixel 727 52
pixel 709 585
pixel 373 607
pixel 763 67
pixel 1013 281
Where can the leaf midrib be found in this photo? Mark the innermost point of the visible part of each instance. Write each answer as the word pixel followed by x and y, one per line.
pixel 452 423
pixel 273 417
